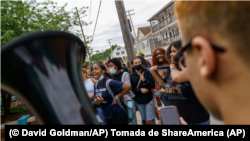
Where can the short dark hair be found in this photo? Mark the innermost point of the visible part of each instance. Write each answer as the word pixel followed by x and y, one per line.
pixel 142 55
pixel 120 58
pixel 117 62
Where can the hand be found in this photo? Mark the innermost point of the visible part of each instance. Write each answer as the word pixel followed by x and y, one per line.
pixel 153 69
pixel 162 91
pixel 116 101
pixel 142 78
pixel 172 66
pixel 99 99
pixel 183 122
pixel 144 90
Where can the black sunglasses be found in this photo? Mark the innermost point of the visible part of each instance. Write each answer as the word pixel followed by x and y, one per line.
pixel 180 58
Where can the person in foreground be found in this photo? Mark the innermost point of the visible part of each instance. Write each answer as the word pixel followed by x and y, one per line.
pixel 113 112
pixel 217 55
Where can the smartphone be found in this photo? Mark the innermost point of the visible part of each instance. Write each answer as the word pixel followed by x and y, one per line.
pixel 169 115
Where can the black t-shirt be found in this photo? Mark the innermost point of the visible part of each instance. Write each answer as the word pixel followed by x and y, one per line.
pixel 118 77
pixel 124 68
pixel 183 97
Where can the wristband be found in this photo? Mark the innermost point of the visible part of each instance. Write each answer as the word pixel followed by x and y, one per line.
pixel 173 69
pixel 117 98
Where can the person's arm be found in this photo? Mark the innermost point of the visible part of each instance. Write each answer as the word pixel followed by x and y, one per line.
pixel 125 88
pixel 157 76
pixel 149 83
pixel 177 76
pixel 91 95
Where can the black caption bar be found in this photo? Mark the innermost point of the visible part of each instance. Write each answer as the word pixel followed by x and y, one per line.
pixel 13 132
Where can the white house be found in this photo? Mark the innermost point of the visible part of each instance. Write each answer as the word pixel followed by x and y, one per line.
pixel 145 41
pixel 118 52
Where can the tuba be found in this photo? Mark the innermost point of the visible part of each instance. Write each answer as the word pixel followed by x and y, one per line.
pixel 43 69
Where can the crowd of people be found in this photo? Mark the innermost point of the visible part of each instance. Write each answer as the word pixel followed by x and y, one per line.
pixel 139 83
pixel 209 67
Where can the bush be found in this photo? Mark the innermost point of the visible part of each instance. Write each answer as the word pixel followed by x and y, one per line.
pixel 18 109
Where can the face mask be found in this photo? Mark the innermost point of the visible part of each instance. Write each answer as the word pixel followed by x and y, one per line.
pixel 112 71
pixel 100 78
pixel 138 67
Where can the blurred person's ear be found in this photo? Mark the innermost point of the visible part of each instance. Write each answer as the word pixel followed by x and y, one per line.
pixel 206 58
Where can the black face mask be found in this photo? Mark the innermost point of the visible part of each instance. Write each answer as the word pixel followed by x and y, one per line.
pixel 138 67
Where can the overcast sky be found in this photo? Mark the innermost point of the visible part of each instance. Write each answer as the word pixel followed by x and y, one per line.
pixel 108 26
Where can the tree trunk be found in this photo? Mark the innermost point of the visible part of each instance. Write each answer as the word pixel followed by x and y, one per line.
pixel 6 98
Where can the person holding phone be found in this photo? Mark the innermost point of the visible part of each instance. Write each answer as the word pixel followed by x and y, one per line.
pixel 113 113
pixel 89 86
pixel 142 82
pixel 180 92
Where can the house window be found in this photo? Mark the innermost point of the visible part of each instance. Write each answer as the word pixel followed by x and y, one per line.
pixel 118 48
pixel 176 31
pixel 166 35
pixel 123 52
pixel 144 44
pixel 117 53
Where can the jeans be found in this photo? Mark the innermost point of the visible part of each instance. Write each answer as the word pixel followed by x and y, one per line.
pixel 164 99
pixel 100 112
pixel 134 121
pixel 146 112
pixel 203 123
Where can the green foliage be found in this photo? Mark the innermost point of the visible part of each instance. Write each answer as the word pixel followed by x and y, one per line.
pixel 18 109
pixel 99 55
pixel 85 64
pixel 22 17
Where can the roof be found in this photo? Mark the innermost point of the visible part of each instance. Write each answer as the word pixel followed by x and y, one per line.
pixel 145 30
pixel 165 7
pixel 148 35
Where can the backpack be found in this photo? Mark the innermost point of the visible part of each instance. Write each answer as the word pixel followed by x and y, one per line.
pixel 127 104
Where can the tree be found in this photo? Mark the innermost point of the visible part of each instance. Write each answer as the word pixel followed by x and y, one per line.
pixel 22 17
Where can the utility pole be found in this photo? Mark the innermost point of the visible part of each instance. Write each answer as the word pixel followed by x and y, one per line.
pixel 127 38
pixel 133 28
pixel 83 36
pixel 110 43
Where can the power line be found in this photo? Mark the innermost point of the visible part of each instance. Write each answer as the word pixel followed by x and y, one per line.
pixel 96 21
pixel 89 14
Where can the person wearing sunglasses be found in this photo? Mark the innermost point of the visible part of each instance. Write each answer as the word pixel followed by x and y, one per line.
pixel 180 92
pixel 216 55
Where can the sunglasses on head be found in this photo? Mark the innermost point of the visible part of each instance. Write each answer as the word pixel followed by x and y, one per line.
pixel 180 58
